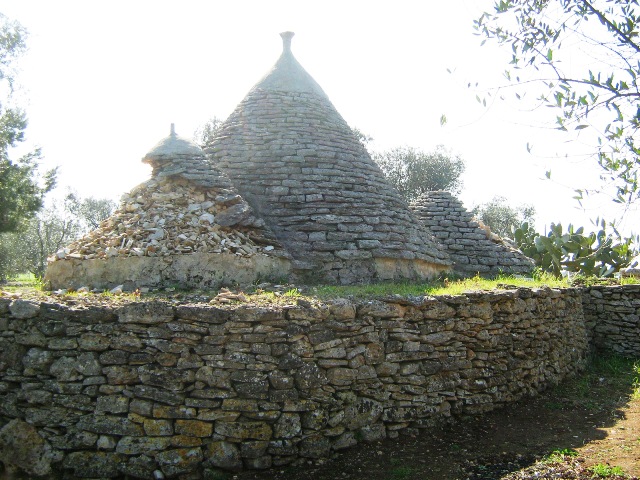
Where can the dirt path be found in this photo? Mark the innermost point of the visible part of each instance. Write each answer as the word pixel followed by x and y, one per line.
pixel 596 415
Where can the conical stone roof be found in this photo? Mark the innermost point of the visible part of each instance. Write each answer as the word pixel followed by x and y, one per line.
pixel 473 249
pixel 296 161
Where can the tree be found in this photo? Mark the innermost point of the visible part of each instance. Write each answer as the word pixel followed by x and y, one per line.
pixel 362 137
pixel 49 231
pixel 597 90
pixel 90 212
pixel 21 193
pixel 413 172
pixel 205 134
pixel 501 217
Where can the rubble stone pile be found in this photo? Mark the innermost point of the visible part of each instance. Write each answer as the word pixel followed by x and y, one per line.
pixel 166 216
pixel 187 208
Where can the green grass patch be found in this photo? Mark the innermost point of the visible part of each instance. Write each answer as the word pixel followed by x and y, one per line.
pixel 560 455
pixel 601 470
pixel 604 373
pixel 23 281
pixel 443 286
pixel 403 472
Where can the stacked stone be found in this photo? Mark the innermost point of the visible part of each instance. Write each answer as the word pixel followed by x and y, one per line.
pixel 613 316
pixel 174 216
pixel 299 165
pixel 474 250
pixel 186 226
pixel 152 389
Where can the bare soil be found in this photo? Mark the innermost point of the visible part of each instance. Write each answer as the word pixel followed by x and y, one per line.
pixel 594 417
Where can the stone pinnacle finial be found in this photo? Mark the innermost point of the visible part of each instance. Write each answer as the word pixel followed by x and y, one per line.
pixel 286 41
pixel 173 130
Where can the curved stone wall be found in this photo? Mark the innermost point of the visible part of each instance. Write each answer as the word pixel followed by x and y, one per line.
pixel 157 388
pixel 612 315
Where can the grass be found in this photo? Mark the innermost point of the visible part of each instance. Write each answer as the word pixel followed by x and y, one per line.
pixel 442 286
pixel 560 455
pixel 603 471
pixel 23 281
pixel 400 473
pixel 602 374
pixel 445 286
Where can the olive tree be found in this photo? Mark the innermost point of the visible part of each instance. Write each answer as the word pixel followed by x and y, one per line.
pixel 413 171
pixel 584 57
pixel 503 218
pixel 21 189
pixel 50 230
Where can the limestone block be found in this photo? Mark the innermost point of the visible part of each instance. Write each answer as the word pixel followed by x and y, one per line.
pixel 244 430
pixel 345 440
pixel 341 376
pixel 138 467
pixel 23 309
pixel 65 369
pixel 378 309
pixel 253 449
pixel 224 455
pixel 35 359
pixel 23 448
pixel 94 464
pixel 287 426
pixel 309 376
pixel 146 313
pixel 94 342
pixel 158 427
pixel 364 412
pixel 109 425
pixel 142 445
pixel 373 433
pixel 179 461
pixel 112 404
pixel 193 428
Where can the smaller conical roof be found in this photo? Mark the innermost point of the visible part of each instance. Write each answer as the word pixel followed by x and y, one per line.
pixel 172 146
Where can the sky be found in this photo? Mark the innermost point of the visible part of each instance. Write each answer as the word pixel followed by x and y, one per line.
pixel 103 80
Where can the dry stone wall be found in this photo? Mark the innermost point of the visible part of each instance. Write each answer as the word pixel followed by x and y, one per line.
pixel 161 389
pixel 613 318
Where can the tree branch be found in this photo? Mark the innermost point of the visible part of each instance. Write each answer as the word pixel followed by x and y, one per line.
pixel 610 25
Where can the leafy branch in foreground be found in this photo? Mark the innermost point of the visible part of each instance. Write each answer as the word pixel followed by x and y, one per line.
pixel 585 54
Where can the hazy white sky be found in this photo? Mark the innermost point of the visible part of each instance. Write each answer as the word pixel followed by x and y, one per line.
pixel 102 82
